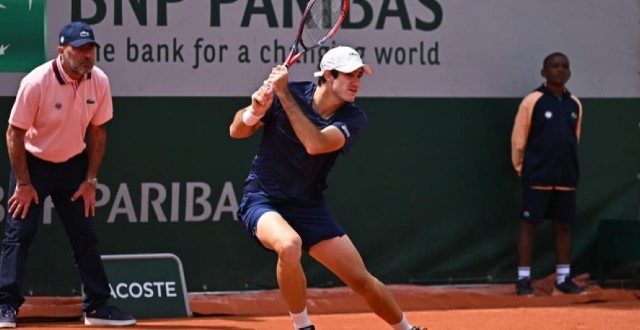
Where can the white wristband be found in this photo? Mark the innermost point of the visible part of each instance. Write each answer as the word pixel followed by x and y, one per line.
pixel 248 118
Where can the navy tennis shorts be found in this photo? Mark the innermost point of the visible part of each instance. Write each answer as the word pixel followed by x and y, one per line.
pixel 311 219
pixel 555 205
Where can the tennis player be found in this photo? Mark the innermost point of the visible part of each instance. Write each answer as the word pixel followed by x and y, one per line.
pixel 306 127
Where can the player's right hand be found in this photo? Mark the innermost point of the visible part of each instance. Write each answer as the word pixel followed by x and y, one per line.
pixel 261 99
pixel 279 79
pixel 21 200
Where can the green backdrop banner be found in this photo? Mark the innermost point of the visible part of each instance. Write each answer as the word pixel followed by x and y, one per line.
pixel 427 194
pixel 23 35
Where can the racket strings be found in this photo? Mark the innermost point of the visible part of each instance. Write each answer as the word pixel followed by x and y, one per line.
pixel 321 22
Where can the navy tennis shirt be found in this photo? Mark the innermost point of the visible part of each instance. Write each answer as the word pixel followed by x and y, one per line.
pixel 282 168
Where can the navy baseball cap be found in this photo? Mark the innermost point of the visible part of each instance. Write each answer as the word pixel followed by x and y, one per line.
pixel 76 34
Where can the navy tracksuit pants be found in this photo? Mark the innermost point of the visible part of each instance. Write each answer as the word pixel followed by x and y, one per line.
pixel 60 181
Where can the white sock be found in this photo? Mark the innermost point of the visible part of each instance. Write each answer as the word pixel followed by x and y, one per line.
pixel 402 325
pixel 300 320
pixel 562 271
pixel 524 272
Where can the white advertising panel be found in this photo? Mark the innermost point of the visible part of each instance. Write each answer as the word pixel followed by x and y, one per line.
pixel 418 48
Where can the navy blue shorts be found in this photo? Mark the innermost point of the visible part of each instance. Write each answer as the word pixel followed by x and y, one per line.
pixel 555 205
pixel 311 219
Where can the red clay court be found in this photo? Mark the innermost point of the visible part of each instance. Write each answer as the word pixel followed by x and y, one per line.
pixel 480 307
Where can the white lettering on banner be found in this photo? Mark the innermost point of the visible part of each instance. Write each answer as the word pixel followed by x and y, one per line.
pixel 201 200
pixel 196 200
pixel 137 290
pixel 228 194
pixel 425 48
pixel 122 204
pixel 155 203
pixel 175 202
pixel 47 211
pixel 273 14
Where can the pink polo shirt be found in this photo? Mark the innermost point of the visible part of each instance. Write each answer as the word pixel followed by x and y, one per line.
pixel 56 110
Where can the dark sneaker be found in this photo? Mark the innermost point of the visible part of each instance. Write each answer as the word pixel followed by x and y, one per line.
pixel 7 316
pixel 311 327
pixel 524 288
pixel 418 328
pixel 108 315
pixel 569 287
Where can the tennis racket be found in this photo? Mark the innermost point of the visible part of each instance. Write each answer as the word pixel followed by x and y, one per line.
pixel 320 21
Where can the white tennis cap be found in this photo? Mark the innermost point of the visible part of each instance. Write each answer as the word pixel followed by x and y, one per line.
pixel 344 59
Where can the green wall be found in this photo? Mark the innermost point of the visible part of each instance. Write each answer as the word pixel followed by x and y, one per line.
pixel 428 194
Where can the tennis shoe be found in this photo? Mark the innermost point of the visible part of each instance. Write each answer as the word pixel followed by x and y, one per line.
pixel 418 328
pixel 108 315
pixel 569 287
pixel 524 288
pixel 310 327
pixel 7 316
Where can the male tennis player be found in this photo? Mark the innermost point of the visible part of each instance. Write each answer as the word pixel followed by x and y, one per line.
pixel 306 127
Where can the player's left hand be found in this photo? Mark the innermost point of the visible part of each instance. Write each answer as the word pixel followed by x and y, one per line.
pixel 88 193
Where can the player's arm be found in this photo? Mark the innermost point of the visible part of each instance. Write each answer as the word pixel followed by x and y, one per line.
pixel 96 144
pixel 316 141
pixel 23 115
pixel 247 120
pixel 21 118
pixel 24 193
pixel 579 123
pixel 520 132
pixel 17 154
pixel 239 129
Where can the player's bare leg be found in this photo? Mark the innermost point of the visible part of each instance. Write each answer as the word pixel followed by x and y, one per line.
pixel 340 256
pixel 562 235
pixel 525 243
pixel 276 234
